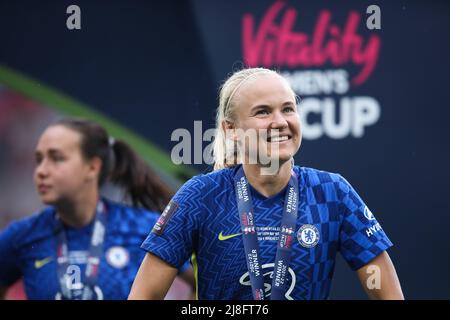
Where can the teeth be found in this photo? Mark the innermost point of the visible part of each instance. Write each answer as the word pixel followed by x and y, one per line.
pixel 278 139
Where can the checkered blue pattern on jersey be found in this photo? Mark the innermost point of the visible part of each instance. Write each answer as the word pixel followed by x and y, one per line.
pixel 207 207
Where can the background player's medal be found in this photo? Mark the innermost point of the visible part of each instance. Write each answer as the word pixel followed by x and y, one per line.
pixel 87 293
pixel 77 294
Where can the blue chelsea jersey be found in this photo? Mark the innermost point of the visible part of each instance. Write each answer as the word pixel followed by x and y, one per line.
pixel 202 219
pixel 28 250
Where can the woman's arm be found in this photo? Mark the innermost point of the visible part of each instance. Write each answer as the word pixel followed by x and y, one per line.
pixel 153 279
pixel 188 277
pixel 379 279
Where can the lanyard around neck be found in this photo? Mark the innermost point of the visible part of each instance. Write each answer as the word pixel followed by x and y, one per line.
pixel 81 290
pixel 250 238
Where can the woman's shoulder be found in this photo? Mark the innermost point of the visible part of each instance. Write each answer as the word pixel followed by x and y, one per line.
pixel 314 177
pixel 328 182
pixel 127 218
pixel 217 179
pixel 38 225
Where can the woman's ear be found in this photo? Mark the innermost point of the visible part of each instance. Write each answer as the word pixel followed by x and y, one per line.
pixel 94 168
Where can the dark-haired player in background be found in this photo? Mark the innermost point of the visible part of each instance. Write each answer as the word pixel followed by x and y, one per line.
pixel 83 246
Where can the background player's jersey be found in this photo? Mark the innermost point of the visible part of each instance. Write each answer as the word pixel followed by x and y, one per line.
pixel 203 219
pixel 28 249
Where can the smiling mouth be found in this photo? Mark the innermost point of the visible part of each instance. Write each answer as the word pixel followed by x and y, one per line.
pixel 279 138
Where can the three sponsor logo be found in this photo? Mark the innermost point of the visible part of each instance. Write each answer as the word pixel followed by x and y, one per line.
pixel 374 228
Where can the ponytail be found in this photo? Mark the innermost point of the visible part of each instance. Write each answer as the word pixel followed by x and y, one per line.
pixel 143 185
pixel 121 165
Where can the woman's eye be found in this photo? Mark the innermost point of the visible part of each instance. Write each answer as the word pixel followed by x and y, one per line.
pixel 58 158
pixel 262 112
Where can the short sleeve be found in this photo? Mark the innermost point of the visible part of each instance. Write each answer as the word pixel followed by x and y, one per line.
pixel 10 270
pixel 184 267
pixel 173 236
pixel 361 236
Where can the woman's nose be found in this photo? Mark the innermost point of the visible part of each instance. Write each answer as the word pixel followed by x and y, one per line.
pixel 42 169
pixel 278 121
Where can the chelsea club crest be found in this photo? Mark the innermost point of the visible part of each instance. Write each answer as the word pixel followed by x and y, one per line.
pixel 308 236
pixel 117 257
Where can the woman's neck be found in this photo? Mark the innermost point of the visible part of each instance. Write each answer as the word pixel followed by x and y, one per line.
pixel 78 213
pixel 268 185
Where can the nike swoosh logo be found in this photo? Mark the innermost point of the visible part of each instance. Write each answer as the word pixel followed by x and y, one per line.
pixel 40 263
pixel 222 237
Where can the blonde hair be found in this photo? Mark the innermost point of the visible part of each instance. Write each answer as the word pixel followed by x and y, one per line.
pixel 224 150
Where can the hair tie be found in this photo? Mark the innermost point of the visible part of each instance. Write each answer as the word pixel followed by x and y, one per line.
pixel 111 141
